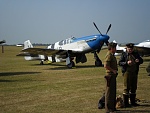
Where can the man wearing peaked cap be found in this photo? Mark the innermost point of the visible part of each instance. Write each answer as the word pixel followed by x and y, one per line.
pixel 130 61
pixel 130 45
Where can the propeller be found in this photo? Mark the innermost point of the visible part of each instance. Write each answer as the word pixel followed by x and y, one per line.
pixel 107 43
pixel 102 35
pixel 97 28
pixel 108 29
pixel 106 34
pixel 98 50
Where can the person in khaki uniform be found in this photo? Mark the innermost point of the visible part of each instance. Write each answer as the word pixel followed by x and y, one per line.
pixel 130 61
pixel 110 65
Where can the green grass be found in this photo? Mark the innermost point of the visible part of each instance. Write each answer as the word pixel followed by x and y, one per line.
pixel 27 87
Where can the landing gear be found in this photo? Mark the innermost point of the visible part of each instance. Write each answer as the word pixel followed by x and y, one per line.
pixel 98 62
pixel 41 63
pixel 69 60
pixel 71 64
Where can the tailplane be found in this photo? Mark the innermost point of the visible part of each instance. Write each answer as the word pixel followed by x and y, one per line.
pixel 28 56
pixel 27 44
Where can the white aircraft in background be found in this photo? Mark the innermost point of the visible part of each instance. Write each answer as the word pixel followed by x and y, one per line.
pixel 145 43
pixel 119 49
pixel 143 48
pixel 67 49
pixel 19 45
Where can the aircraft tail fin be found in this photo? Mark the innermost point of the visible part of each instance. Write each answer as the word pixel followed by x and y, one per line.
pixel 27 44
pixel 117 47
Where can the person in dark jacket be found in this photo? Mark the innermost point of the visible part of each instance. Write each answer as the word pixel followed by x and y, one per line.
pixel 130 61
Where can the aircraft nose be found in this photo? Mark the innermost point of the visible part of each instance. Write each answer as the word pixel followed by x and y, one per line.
pixel 106 38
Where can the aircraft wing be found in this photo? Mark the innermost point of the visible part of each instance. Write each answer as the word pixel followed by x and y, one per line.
pixel 139 47
pixel 43 51
pixel 143 51
pixel 27 54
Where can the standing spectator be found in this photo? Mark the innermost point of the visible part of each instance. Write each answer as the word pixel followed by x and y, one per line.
pixel 130 61
pixel 110 64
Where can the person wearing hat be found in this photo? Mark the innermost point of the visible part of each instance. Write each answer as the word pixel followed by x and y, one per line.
pixel 130 61
pixel 110 65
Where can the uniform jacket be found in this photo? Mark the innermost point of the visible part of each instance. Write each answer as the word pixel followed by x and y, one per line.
pixel 124 58
pixel 111 61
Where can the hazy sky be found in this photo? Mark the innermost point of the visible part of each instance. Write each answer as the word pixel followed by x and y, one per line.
pixel 48 21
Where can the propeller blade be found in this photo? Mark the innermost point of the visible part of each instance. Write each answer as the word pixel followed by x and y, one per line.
pixel 98 50
pixel 97 28
pixel 108 28
pixel 107 43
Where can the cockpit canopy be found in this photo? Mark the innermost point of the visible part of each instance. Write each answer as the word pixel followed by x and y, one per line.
pixel 67 41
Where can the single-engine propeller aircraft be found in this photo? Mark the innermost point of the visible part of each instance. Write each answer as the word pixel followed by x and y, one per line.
pixel 67 49
pixel 142 48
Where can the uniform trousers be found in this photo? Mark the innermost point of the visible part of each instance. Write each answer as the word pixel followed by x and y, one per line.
pixel 110 95
pixel 130 82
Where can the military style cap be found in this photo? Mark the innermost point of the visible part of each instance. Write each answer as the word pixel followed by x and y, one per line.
pixel 112 44
pixel 130 45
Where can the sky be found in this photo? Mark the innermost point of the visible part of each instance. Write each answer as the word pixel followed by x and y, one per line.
pixel 49 21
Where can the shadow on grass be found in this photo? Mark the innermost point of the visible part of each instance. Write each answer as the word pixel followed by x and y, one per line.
pixel 143 67
pixel 7 81
pixel 16 73
pixel 146 60
pixel 133 111
pixel 61 65
pixel 64 67
pixel 144 110
pixel 51 64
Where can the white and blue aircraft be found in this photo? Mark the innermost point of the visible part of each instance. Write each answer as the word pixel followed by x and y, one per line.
pixel 68 49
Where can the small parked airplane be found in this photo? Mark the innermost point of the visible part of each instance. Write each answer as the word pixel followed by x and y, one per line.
pixel 19 45
pixel 2 41
pixel 67 49
pixel 142 48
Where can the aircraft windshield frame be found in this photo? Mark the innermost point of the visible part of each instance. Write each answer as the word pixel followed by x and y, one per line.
pixel 67 41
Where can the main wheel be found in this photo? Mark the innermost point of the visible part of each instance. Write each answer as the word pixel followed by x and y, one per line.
pixel 41 63
pixel 72 64
pixel 98 63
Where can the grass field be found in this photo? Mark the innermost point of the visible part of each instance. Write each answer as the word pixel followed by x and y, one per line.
pixel 27 87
